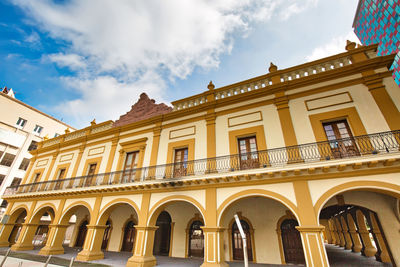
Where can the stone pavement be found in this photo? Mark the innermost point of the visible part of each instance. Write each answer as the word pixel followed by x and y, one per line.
pixel 338 257
pixel 14 262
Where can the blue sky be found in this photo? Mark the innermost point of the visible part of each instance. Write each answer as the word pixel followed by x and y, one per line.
pixel 78 61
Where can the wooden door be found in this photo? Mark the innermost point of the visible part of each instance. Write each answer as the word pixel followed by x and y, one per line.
pixel 291 242
pixel 180 162
pixel 80 239
pixel 90 175
pixel 106 236
pixel 336 131
pixel 196 240
pixel 237 243
pixel 248 153
pixel 129 237
pixel 130 167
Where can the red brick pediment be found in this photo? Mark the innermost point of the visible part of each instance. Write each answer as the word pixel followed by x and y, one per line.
pixel 143 109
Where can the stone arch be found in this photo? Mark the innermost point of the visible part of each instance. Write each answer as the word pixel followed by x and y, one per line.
pixel 253 193
pixel 288 216
pixel 16 212
pixel 374 186
pixel 158 207
pixel 230 225
pixel 107 209
pixel 72 208
pixel 38 213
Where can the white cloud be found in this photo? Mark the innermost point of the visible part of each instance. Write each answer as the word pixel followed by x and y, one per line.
pixel 119 42
pixel 33 40
pixel 72 61
pixel 105 93
pixel 334 46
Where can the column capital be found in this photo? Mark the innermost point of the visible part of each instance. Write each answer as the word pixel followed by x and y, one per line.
pixel 212 229
pixel 310 229
pixel 59 225
pixel 96 226
pixel 146 228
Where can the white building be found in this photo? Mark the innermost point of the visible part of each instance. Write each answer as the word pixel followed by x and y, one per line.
pixel 21 128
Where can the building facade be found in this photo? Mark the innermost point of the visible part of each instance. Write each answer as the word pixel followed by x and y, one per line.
pixel 305 156
pixel 22 127
pixel 378 22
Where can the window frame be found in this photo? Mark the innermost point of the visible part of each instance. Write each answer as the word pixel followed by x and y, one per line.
pixel 4 158
pixel 38 129
pixel 22 124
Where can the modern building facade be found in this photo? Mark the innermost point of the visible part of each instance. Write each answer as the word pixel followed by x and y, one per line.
pixel 378 22
pixel 22 127
pixel 305 156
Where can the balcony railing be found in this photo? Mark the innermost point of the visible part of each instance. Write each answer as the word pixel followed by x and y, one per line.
pixel 358 146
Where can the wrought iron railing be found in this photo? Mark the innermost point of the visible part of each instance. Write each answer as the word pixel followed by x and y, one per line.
pixel 372 144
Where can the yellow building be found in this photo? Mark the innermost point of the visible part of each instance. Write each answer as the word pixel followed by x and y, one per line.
pixel 305 156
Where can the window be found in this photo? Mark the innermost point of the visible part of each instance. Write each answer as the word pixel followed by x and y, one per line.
pixel 1 153
pixel 60 176
pixel 90 174
pixel 131 162
pixel 180 162
pixel 24 164
pixel 21 122
pixel 32 146
pixel 38 129
pixel 340 139
pixel 16 181
pixel 248 154
pixel 7 159
pixel 2 176
pixel 56 134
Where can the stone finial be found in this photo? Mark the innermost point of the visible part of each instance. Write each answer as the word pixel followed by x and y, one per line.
pixel 211 86
pixel 272 67
pixel 67 131
pixel 350 45
pixel 46 137
pixel 93 122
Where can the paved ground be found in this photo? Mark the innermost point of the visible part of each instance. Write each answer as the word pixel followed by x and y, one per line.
pixel 338 257
pixel 14 262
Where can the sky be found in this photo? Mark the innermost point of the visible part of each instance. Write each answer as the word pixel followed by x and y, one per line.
pixel 82 59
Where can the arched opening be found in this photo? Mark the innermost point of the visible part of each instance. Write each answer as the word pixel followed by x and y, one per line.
pixel 162 238
pixel 119 219
pixel 81 236
pixel 106 236
pixel 70 230
pixel 179 231
pixel 237 242
pixel 260 214
pixel 129 237
pixel 363 232
pixel 19 218
pixel 196 239
pixel 291 242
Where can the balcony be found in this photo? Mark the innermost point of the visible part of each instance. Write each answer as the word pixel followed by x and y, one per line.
pixel 355 147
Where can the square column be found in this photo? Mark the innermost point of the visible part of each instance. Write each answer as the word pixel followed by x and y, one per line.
pixel 92 246
pixel 143 251
pixel 54 241
pixel 25 239
pixel 313 243
pixel 5 233
pixel 214 247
